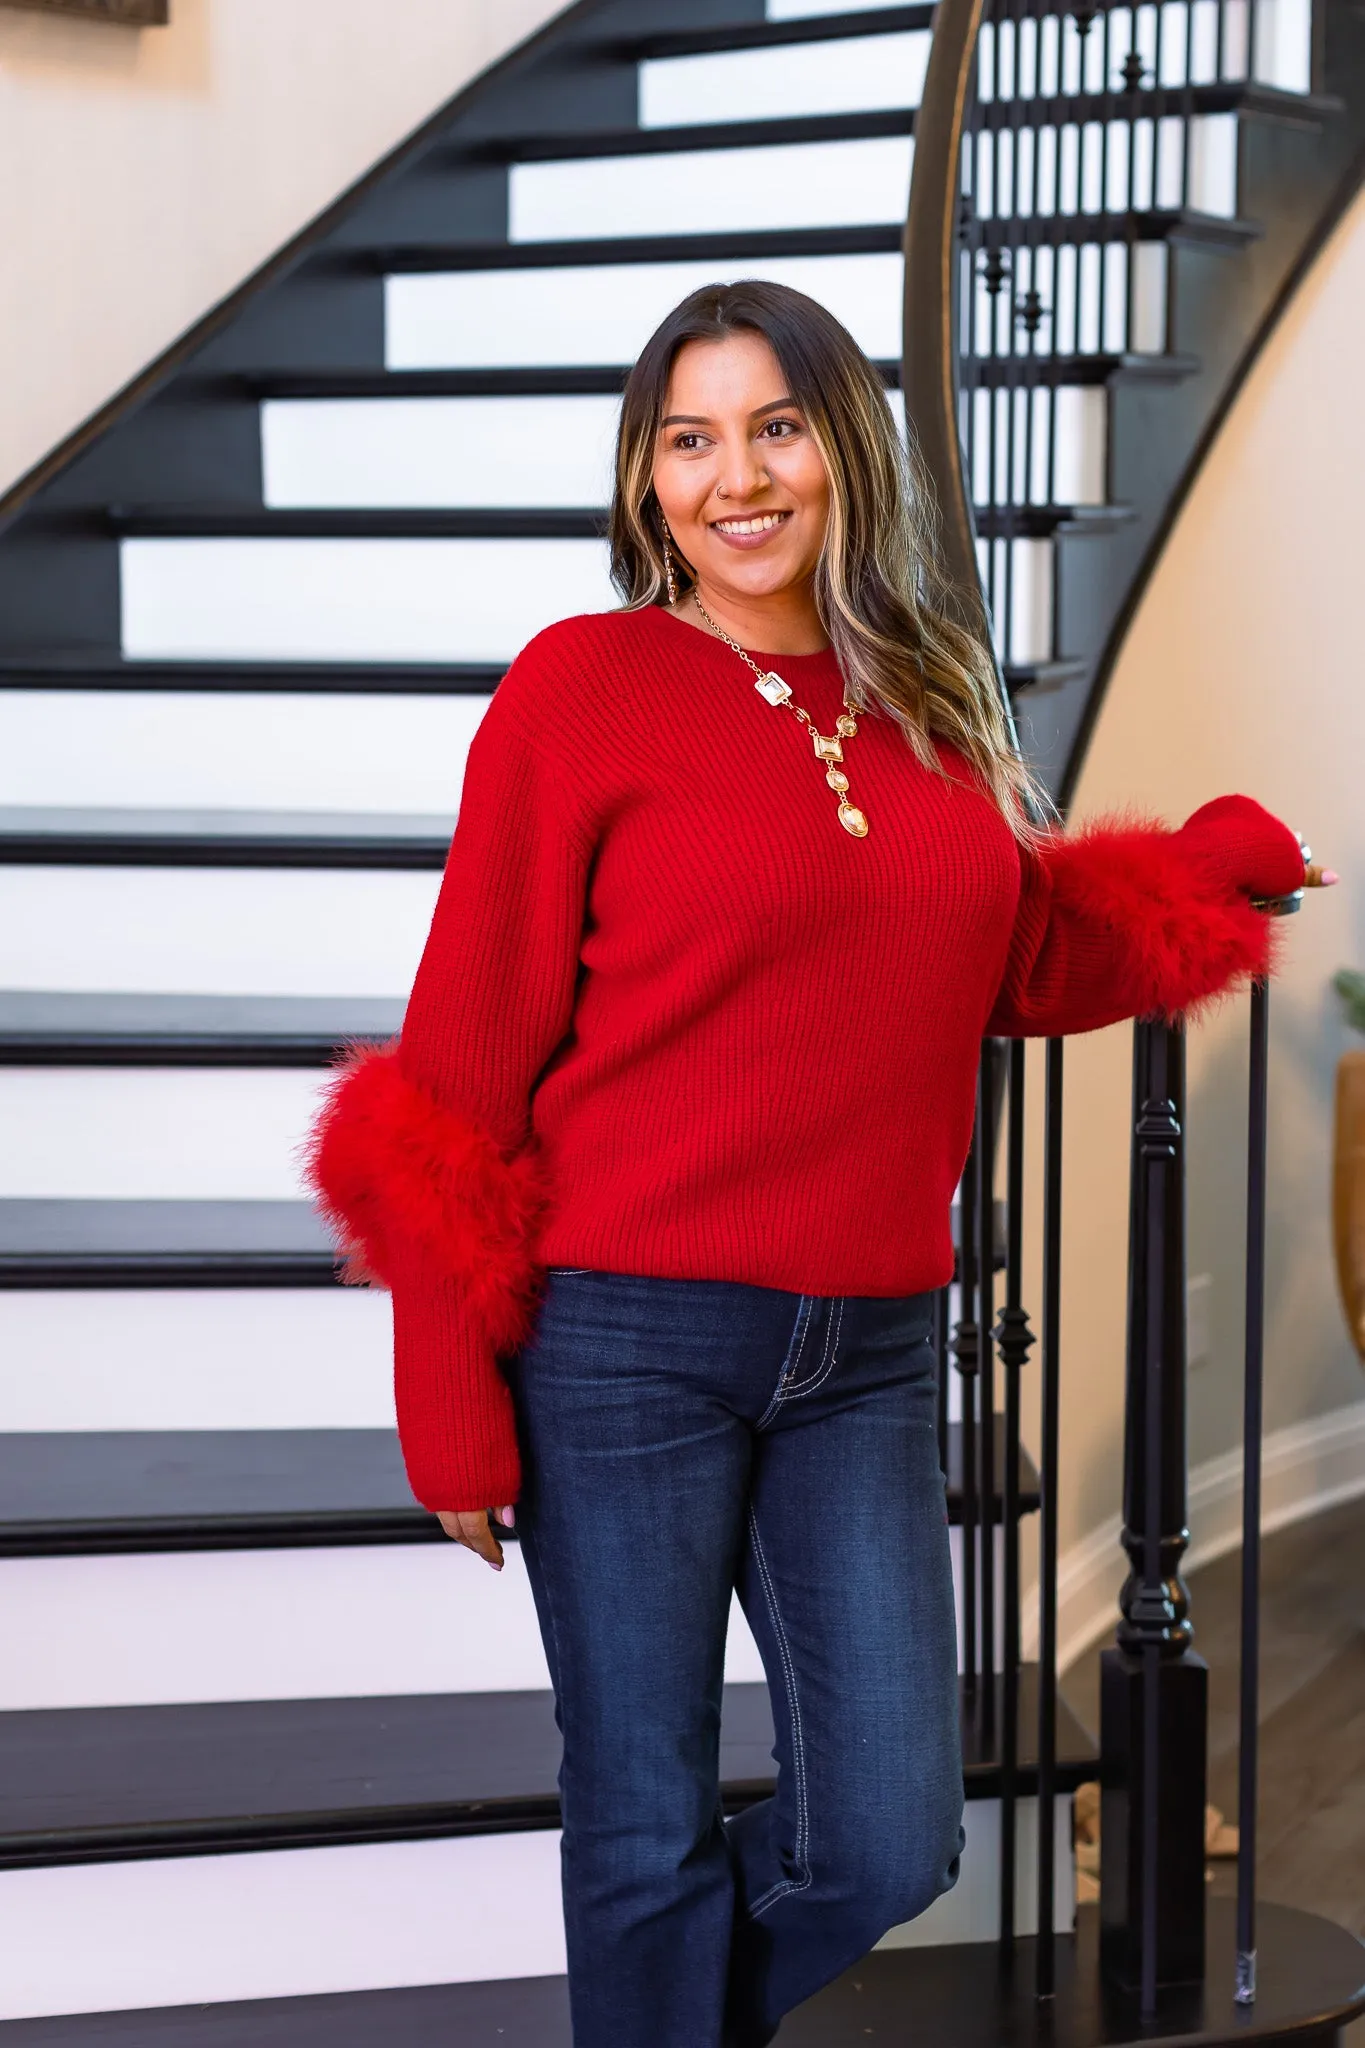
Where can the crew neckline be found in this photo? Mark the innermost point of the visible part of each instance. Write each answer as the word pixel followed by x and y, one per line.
pixel 823 657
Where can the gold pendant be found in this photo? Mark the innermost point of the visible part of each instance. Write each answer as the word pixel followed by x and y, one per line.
pixel 852 819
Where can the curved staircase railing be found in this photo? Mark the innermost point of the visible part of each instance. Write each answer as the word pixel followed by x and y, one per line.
pixel 1073 167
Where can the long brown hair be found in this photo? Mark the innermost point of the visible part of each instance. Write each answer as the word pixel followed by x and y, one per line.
pixel 878 587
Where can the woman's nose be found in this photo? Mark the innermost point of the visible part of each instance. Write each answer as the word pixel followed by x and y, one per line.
pixel 742 475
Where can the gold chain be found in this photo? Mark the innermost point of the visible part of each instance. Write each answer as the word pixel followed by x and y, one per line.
pixel 828 746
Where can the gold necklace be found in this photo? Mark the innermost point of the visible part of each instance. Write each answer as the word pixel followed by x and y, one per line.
pixel 828 748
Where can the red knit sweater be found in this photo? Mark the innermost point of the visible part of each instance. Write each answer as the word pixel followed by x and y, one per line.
pixel 673 1019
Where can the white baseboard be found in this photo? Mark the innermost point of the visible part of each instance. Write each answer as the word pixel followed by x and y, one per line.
pixel 1305 1469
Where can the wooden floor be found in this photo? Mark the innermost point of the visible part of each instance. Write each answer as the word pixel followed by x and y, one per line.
pixel 1311 1849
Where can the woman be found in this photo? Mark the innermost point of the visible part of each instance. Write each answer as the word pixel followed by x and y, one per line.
pixel 660 1172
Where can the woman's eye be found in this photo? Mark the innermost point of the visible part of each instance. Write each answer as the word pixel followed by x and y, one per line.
pixel 780 430
pixel 687 442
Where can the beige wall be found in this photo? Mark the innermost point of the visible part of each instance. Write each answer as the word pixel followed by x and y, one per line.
pixel 145 173
pixel 1243 671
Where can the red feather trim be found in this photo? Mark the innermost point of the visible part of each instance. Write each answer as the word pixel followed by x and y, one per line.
pixel 1184 945
pixel 393 1170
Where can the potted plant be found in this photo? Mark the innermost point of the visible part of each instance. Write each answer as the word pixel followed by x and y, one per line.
pixel 1348 1164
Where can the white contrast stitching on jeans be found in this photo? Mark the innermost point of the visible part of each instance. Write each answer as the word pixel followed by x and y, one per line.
pixel 784 1885
pixel 831 1352
pixel 804 1315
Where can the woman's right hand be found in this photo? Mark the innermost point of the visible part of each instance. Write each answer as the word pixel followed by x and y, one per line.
pixel 472 1528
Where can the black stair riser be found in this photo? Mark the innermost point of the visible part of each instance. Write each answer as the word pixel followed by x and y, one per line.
pixel 364 523
pixel 99 1028
pixel 303 1532
pixel 95 1050
pixel 744 245
pixel 767 35
pixel 358 680
pixel 193 1270
pixel 146 1779
pixel 44 1274
pixel 75 1492
pixel 421 1824
pixel 304 1831
pixel 304 678
pixel 762 244
pixel 228 1532
pixel 769 131
pixel 608 380
pixel 572 381
pixel 39 850
pixel 168 522
pixel 55 1243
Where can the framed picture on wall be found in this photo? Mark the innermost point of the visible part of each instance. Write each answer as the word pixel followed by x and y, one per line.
pixel 132 13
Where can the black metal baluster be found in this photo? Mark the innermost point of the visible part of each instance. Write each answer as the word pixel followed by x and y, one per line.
pixel 1252 1405
pixel 1155 1277
pixel 942 1314
pixel 1153 1692
pixel 1187 109
pixel 1016 1341
pixel 965 1355
pixel 985 1118
pixel 1046 1960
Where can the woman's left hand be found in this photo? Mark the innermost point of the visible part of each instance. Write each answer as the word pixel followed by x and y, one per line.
pixel 1239 845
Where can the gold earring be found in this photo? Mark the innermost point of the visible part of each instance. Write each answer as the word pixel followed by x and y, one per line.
pixel 670 576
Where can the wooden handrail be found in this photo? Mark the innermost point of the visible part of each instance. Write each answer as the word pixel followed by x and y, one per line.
pixel 929 334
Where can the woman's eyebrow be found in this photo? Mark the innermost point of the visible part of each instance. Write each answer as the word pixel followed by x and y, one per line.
pixel 696 419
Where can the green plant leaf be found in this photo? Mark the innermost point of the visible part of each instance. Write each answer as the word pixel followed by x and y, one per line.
pixel 1350 986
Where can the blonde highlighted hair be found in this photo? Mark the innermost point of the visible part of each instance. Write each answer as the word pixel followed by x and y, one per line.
pixel 878 587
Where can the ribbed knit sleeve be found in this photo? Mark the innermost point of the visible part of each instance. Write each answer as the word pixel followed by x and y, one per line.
pixel 423 1156
pixel 1130 920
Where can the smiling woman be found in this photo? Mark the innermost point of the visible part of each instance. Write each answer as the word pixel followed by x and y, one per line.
pixel 661 1171
pixel 757 446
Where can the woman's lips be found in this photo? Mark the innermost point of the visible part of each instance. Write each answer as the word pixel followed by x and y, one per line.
pixel 752 532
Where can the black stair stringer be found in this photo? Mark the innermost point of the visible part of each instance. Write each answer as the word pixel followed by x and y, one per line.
pixel 186 430
pixel 1295 181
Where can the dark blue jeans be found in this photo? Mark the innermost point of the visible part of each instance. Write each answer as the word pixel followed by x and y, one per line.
pixel 682 1438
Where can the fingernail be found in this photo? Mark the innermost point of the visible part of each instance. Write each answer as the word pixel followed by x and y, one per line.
pixel 506 1517
pixel 1329 875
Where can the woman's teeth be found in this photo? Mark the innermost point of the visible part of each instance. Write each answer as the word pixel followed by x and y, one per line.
pixel 763 524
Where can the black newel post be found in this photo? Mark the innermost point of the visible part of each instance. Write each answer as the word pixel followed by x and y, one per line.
pixel 1154 1691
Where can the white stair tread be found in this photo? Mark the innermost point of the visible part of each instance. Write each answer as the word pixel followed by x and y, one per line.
pixel 280 751
pixel 836 76
pixel 215 931
pixel 150 1628
pixel 152 1358
pixel 786 185
pixel 351 599
pixel 604 313
pixel 155 1133
pixel 512 453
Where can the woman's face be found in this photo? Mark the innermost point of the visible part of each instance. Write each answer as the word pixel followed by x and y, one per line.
pixel 741 482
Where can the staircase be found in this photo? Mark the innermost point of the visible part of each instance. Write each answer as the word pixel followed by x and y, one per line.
pixel 277 1764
